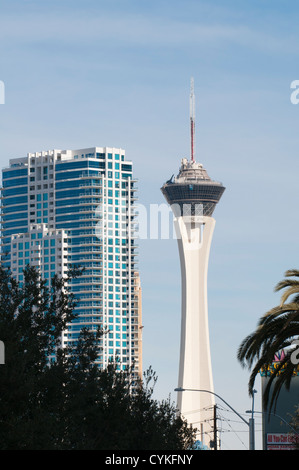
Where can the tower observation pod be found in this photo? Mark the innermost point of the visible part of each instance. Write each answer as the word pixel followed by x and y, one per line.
pixel 193 196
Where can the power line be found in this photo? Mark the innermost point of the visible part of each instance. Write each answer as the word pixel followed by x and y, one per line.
pixel 233 431
pixel 217 428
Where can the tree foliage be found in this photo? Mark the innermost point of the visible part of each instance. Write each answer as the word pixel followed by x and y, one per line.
pixel 70 403
pixel 276 330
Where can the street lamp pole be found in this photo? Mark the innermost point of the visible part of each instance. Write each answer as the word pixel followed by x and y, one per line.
pixel 249 423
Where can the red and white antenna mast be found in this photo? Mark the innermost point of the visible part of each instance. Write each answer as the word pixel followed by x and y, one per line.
pixel 192 119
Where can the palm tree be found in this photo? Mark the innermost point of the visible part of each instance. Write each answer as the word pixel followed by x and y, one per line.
pixel 276 331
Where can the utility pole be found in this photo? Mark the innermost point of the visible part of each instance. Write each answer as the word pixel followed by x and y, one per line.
pixel 249 423
pixel 215 428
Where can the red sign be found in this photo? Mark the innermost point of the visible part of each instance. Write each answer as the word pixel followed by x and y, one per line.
pixel 281 441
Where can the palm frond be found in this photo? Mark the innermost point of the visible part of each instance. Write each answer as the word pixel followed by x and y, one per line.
pixel 292 288
pixel 274 332
pixel 292 272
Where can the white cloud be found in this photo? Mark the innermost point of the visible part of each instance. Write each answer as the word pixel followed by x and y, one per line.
pixel 134 29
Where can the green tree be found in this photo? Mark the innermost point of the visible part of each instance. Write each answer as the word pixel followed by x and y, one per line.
pixel 32 318
pixel 59 398
pixel 276 331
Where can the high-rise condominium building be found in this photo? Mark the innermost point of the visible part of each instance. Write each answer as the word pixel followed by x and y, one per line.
pixel 62 209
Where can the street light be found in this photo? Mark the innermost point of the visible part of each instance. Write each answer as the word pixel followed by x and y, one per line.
pixel 249 423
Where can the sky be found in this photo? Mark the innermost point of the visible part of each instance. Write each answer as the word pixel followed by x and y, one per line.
pixel 116 73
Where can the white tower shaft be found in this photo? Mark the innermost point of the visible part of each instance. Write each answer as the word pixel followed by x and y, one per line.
pixel 195 369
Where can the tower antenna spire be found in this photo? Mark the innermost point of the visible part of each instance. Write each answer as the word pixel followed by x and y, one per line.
pixel 192 119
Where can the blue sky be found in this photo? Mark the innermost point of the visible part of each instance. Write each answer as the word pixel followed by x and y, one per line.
pixel 117 73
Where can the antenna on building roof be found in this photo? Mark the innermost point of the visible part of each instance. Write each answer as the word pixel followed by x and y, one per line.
pixel 192 119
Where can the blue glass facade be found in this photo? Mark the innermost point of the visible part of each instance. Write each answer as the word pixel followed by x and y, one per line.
pixel 89 194
pixel 14 217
